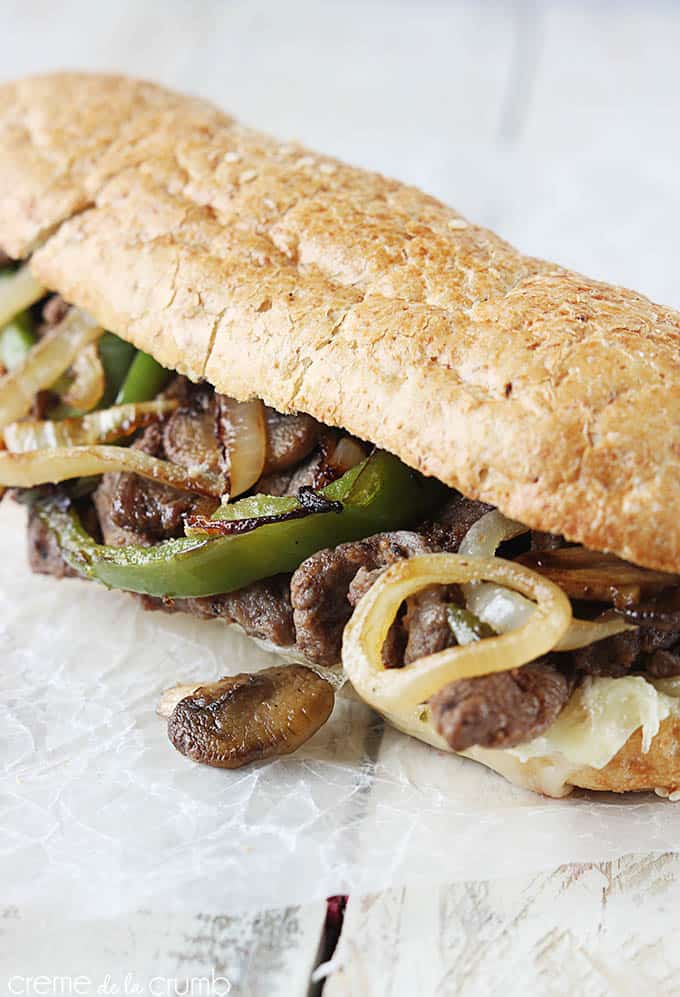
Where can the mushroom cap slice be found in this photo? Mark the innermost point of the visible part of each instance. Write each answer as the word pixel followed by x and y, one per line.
pixel 248 717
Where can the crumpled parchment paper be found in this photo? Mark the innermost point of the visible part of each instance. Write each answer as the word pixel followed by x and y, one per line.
pixel 99 815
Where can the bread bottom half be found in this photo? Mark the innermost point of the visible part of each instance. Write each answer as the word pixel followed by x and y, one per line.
pixel 634 770
pixel 615 735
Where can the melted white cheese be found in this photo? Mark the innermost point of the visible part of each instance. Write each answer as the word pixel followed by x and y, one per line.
pixel 595 724
pixel 598 720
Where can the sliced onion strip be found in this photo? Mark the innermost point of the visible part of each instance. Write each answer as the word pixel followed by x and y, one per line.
pixel 88 380
pixel 484 537
pixel 18 291
pixel 40 467
pixel 505 610
pixel 46 361
pixel 347 454
pixel 405 688
pixel 243 431
pixel 584 632
pixel 105 426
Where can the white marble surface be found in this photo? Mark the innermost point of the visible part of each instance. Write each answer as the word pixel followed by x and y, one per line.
pixel 556 123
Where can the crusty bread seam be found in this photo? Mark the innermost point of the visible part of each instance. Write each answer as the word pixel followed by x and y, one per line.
pixel 364 302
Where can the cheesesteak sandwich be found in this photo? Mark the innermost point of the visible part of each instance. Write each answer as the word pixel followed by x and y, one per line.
pixel 249 382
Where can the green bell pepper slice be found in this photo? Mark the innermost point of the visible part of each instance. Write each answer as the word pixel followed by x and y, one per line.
pixel 116 356
pixel 467 627
pixel 16 340
pixel 144 380
pixel 379 494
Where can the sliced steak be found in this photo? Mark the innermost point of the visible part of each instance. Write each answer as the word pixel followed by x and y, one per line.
pixel 611 657
pixel 262 609
pixel 189 435
pixel 311 472
pixel 394 648
pixel 454 520
pixel 426 623
pixel 112 533
pixel 290 482
pixel 502 710
pixel 149 509
pixel 54 311
pixel 647 649
pixel 664 664
pixel 546 541
pixel 290 438
pixel 44 556
pixel 421 627
pixel 320 588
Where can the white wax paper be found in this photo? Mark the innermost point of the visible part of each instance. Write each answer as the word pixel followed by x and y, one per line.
pixel 99 815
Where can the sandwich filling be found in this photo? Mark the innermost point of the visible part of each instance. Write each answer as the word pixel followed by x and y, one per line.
pixel 198 503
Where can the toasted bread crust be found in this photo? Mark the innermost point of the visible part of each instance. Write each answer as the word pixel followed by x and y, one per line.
pixel 276 272
pixel 633 770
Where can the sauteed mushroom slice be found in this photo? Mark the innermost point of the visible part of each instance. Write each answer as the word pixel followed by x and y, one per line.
pixel 248 717
pixel 589 575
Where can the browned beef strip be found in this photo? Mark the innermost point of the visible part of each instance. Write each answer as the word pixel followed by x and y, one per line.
pixel 262 609
pixel 308 473
pixel 426 622
pixel 421 628
pixel 112 533
pixel 647 649
pixel 394 648
pixel 151 510
pixel 501 710
pixel 290 482
pixel 5 260
pixel 44 556
pixel 290 438
pixel 612 657
pixel 189 437
pixel 320 588
pixel 546 541
pixel 453 521
pixel 663 664
pixel 54 310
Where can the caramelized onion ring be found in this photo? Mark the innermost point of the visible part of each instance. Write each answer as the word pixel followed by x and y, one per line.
pixel 505 610
pixel 405 688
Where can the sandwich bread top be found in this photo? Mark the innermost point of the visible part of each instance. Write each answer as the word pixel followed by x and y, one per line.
pixel 277 272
